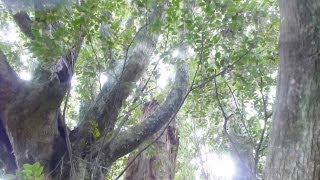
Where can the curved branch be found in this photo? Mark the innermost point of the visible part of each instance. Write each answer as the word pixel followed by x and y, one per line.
pixel 127 141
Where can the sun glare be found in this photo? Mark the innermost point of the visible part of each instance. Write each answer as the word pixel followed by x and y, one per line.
pixel 103 78
pixel 216 166
pixel 166 74
pixel 175 53
pixel 25 75
pixel 10 34
pixel 74 81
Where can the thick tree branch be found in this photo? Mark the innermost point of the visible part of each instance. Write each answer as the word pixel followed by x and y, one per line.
pixel 24 23
pixel 132 138
pixel 104 111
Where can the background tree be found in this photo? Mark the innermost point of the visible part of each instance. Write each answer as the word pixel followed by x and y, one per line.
pixel 158 161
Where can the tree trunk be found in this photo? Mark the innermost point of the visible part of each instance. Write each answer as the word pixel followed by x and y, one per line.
pixel 294 151
pixel 157 162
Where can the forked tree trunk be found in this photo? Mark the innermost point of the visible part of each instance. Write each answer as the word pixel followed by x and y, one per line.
pixel 294 151
pixel 158 161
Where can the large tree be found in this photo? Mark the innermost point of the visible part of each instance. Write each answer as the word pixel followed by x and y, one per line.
pixel 33 126
pixel 294 144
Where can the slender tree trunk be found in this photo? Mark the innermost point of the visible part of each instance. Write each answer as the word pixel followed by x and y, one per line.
pixel 157 162
pixel 294 151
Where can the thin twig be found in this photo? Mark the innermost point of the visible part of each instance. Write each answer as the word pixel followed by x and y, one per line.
pixel 166 126
pixel 90 163
pixel 60 161
pixel 193 81
pixel 238 109
pixel 198 67
pixel 155 140
pixel 127 50
pixel 226 119
pixel 99 66
pixel 124 65
pixel 266 117
pixel 192 87
pixel 127 114
pixel 198 151
pixel 223 71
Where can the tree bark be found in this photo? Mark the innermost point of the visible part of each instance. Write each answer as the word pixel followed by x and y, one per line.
pixel 294 151
pixel 157 162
